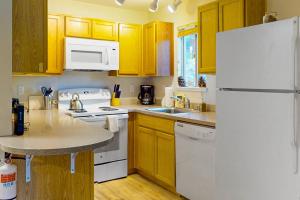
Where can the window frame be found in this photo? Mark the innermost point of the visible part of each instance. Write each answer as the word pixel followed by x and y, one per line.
pixel 182 59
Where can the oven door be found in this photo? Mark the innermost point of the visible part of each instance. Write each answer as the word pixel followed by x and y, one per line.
pixel 116 149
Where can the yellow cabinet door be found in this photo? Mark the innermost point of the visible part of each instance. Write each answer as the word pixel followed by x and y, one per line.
pixel 149 66
pixel 130 39
pixel 164 43
pixel 165 158
pixel 105 30
pixel 231 14
pixel 78 27
pixel 208 17
pixel 145 150
pixel 55 44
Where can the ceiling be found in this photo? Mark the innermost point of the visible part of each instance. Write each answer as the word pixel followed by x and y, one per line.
pixel 129 4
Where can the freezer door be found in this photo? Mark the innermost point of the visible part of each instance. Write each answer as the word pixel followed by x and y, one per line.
pixel 255 154
pixel 258 57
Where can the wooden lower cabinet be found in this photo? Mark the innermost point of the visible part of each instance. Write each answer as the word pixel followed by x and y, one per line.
pixel 146 150
pixel 165 158
pixel 155 152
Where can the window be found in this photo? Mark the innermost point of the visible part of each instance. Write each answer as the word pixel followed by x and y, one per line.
pixel 187 59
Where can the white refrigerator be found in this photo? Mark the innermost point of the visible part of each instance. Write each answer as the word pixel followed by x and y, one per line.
pixel 258 112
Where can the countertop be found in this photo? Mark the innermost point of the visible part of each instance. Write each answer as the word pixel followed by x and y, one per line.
pixel 54 133
pixel 194 117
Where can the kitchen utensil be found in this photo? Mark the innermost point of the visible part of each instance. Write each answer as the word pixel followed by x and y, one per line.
pixel 75 103
pixel 47 102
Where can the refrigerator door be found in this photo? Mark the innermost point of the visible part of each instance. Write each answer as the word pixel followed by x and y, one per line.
pixel 258 57
pixel 255 156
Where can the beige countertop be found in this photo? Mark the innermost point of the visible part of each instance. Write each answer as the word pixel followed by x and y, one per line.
pixel 53 133
pixel 195 117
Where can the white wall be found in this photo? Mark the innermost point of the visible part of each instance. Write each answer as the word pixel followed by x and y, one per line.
pixel 5 66
pixel 82 9
pixel 284 8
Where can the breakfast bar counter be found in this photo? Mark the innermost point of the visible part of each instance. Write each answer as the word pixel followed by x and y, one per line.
pixel 53 133
pixel 54 157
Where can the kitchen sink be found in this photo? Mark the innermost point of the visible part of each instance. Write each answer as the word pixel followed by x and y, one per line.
pixel 167 110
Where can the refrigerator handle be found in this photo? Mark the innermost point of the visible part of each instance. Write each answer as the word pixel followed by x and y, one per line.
pixel 296 135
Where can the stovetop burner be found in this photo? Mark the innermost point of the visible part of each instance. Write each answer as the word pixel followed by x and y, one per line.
pixel 108 109
pixel 78 110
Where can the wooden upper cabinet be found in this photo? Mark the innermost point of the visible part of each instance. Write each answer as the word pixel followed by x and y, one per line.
pixel 78 27
pixel 130 39
pixel 165 55
pixel 231 14
pixel 30 36
pixel 158 49
pixel 56 44
pixel 149 66
pixel 208 18
pixel 105 30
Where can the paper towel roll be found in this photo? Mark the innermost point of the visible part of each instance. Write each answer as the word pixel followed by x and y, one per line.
pixel 168 102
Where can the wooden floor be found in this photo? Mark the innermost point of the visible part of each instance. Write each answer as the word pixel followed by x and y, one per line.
pixel 134 187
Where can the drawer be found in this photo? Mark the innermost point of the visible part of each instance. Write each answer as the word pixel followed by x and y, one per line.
pixel 157 123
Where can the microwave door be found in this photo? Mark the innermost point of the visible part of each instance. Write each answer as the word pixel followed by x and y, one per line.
pixel 85 57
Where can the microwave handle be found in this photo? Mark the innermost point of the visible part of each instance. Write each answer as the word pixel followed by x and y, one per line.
pixel 106 57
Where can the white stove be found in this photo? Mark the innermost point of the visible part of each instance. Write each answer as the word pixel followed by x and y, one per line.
pixel 110 161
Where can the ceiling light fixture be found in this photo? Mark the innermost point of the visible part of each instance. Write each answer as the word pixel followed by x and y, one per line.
pixel 172 7
pixel 154 6
pixel 119 2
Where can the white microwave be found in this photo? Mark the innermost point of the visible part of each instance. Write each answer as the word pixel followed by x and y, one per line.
pixel 87 54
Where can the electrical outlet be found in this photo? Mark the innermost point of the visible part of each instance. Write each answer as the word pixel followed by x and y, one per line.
pixel 21 90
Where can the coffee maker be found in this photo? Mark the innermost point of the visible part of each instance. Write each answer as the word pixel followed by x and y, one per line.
pixel 146 96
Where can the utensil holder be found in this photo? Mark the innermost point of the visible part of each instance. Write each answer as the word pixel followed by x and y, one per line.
pixel 47 103
pixel 115 101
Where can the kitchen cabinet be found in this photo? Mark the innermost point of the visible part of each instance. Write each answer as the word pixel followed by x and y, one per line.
pixel 131 142
pixel 30 36
pixel 145 150
pixel 208 18
pixel 165 158
pixel 104 30
pixel 56 44
pixel 158 49
pixel 155 149
pixel 130 39
pixel 223 15
pixel 231 14
pixel 78 27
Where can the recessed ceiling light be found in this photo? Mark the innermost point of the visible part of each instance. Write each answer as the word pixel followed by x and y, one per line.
pixel 154 6
pixel 119 2
pixel 172 7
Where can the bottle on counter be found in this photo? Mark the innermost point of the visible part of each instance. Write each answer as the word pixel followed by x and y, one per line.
pixel 17 117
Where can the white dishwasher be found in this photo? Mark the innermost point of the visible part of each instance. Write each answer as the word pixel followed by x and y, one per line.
pixel 195 161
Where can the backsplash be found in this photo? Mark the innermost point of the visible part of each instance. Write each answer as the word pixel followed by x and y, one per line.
pixel 32 84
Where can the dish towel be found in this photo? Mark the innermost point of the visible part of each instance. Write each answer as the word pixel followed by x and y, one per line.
pixel 112 123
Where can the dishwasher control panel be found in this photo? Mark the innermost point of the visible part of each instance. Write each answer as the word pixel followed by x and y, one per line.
pixel 195 132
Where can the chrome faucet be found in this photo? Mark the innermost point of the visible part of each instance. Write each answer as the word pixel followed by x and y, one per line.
pixel 185 101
